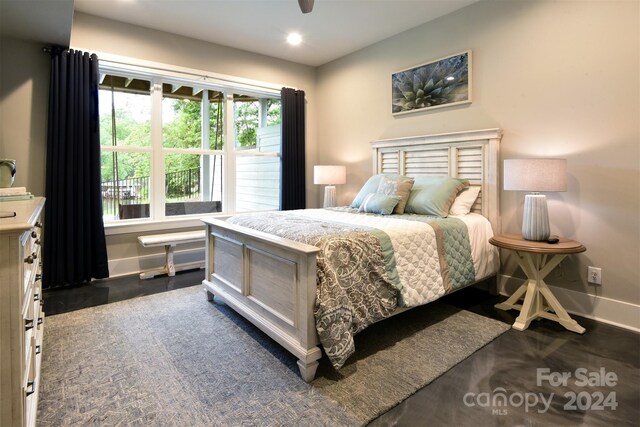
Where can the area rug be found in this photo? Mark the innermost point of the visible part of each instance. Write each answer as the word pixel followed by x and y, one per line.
pixel 174 359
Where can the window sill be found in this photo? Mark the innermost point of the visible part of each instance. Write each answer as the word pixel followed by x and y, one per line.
pixel 147 225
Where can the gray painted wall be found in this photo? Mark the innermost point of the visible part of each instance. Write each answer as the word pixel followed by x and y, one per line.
pixel 24 95
pixel 560 78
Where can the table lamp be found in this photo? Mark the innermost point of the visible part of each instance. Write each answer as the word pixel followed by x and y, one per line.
pixel 330 175
pixel 535 175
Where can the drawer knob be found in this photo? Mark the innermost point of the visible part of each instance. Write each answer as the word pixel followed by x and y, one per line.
pixel 40 320
pixel 34 234
pixel 36 297
pixel 38 349
pixel 28 324
pixel 38 277
pixel 29 259
pixel 38 224
pixel 37 242
pixel 31 388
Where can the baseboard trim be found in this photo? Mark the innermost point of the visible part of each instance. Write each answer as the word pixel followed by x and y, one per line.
pixel 136 265
pixel 602 309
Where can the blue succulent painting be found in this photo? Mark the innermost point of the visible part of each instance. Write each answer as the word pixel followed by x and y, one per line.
pixel 431 85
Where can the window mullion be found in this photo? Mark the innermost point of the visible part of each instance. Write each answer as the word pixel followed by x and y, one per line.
pixel 205 161
pixel 157 167
pixel 125 149
pixel 229 158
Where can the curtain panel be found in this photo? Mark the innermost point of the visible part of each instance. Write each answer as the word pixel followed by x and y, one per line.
pixel 74 240
pixel 292 180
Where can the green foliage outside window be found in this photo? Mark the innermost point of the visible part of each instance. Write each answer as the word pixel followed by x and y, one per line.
pixel 129 132
pixel 246 121
pixel 184 131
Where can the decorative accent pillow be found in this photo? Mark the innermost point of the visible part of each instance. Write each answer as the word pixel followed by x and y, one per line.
pixel 379 204
pixel 396 186
pixel 464 200
pixel 371 186
pixel 433 195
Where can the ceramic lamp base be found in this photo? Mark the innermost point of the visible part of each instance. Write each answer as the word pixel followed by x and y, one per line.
pixel 535 221
pixel 329 196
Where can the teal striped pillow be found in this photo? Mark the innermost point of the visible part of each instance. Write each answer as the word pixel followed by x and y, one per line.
pixel 379 204
pixel 371 186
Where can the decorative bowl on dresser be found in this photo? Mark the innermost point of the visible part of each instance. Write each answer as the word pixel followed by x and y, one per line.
pixel 21 315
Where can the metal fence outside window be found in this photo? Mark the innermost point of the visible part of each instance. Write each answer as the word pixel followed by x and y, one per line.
pixel 183 185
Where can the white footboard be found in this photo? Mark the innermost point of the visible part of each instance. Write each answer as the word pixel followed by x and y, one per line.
pixel 271 281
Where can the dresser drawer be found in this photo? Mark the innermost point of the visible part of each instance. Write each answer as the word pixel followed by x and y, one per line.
pixel 30 265
pixel 30 390
pixel 21 312
pixel 33 376
pixel 30 325
pixel 30 307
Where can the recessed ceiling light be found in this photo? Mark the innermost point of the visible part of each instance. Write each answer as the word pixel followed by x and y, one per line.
pixel 450 78
pixel 294 39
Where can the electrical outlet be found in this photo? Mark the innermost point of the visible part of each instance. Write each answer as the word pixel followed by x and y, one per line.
pixel 594 275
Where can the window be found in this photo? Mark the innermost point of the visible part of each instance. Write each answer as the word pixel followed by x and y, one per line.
pixel 164 153
pixel 257 144
pixel 125 138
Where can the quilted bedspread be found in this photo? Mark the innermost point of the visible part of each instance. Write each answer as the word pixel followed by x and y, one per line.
pixel 370 264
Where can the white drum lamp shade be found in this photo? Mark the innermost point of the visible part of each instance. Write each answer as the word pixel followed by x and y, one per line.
pixel 329 175
pixel 535 176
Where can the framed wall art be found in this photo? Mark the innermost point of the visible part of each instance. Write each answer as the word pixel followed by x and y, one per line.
pixel 440 83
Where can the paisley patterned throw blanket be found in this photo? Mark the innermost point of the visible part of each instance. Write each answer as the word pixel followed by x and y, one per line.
pixel 370 264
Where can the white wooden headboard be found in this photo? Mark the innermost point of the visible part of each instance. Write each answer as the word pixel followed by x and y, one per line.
pixel 472 155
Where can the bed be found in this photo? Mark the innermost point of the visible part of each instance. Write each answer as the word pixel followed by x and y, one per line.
pixel 267 267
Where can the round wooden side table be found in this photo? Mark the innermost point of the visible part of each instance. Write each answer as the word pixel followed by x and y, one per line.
pixel 537 260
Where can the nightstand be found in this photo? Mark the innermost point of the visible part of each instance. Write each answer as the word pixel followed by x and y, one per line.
pixel 537 260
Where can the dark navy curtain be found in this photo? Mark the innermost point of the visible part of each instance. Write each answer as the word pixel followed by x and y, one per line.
pixel 292 182
pixel 74 241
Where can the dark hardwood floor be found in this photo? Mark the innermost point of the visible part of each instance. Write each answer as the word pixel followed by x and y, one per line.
pixel 543 376
pixel 105 291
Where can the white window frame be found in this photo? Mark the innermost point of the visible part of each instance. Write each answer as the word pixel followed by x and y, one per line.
pixel 158 74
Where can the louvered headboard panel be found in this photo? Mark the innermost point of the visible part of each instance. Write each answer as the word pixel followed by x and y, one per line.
pixel 473 155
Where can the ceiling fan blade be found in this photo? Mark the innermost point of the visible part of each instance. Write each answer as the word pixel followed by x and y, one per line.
pixel 306 6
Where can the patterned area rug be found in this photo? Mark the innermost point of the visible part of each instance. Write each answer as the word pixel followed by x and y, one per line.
pixel 174 359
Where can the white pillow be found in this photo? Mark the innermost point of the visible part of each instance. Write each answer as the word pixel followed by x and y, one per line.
pixel 464 200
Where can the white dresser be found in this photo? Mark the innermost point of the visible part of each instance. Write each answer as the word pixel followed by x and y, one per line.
pixel 21 315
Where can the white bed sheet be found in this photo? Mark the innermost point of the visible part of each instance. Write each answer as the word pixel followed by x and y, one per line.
pixel 415 249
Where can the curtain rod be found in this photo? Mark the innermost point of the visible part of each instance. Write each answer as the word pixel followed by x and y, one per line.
pixel 274 88
pixel 53 49
pixel 189 73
